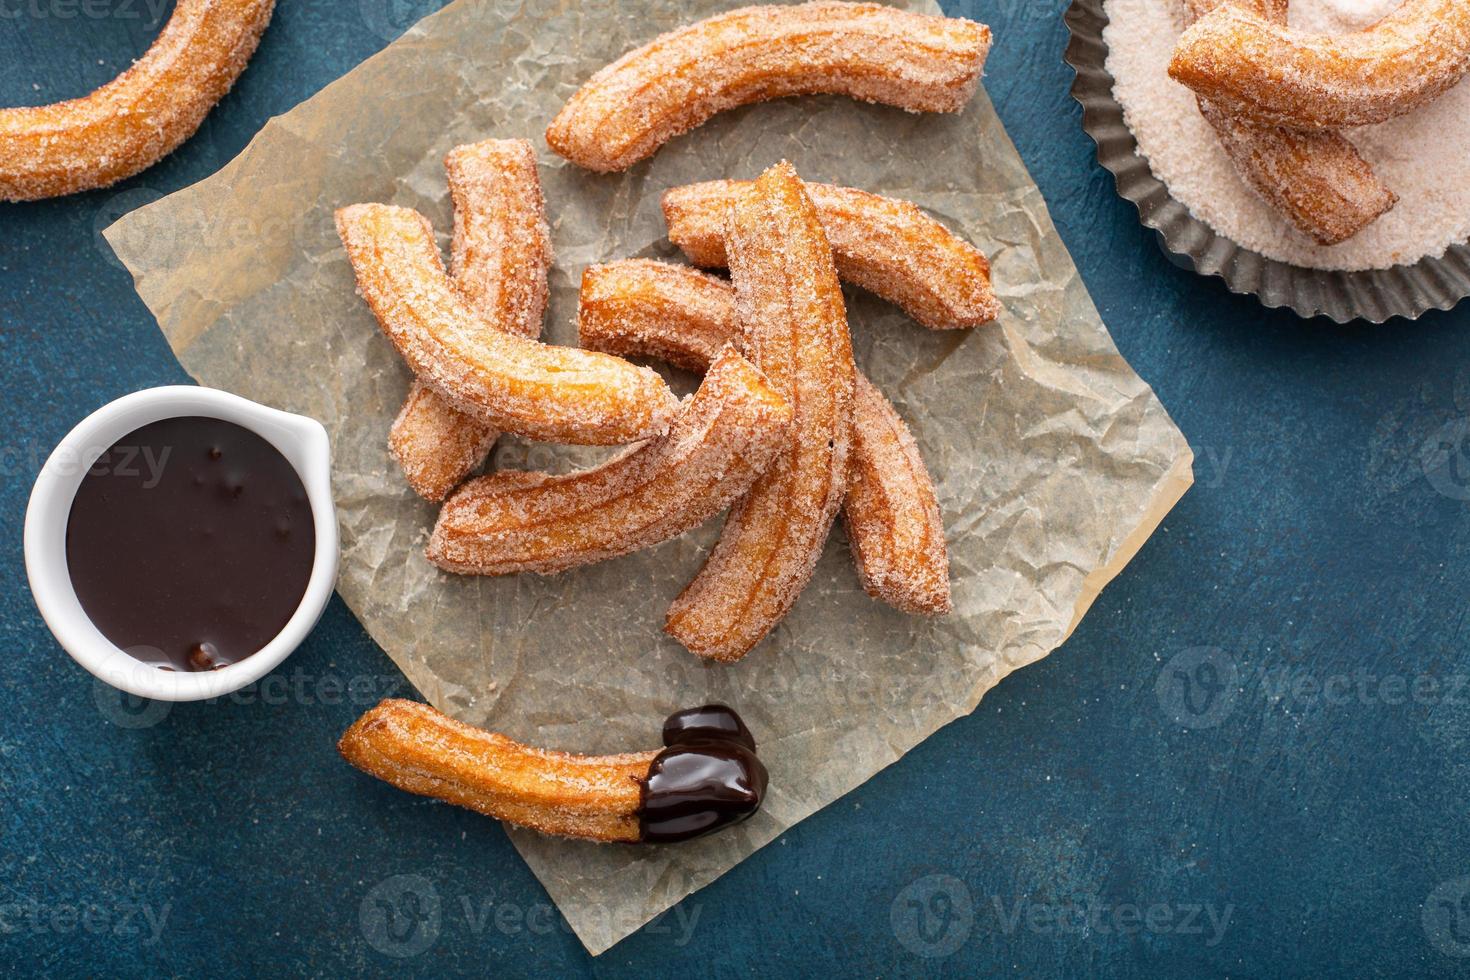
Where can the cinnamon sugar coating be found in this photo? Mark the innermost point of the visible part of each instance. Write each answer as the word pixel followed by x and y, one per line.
pixel 1316 179
pixel 889 247
pixel 626 111
pixel 423 751
pixel 141 116
pixel 725 436
pixel 499 259
pixel 556 394
pixel 891 511
pixel 436 444
pixel 789 306
pixel 1270 73
pixel 646 308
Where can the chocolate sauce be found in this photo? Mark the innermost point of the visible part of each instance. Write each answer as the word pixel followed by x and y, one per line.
pixel 190 543
pixel 713 722
pixel 706 778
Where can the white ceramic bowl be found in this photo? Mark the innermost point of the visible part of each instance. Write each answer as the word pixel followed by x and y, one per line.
pixel 301 440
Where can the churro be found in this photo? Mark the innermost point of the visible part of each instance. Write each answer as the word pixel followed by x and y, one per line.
pixel 557 394
pixel 643 308
pixel 790 308
pixel 1315 179
pixel 1265 71
pixel 141 116
pixel 887 246
pixel 638 307
pixel 723 439
pixel 707 776
pixel 891 512
pixel 437 444
pixel 626 111
pixel 499 258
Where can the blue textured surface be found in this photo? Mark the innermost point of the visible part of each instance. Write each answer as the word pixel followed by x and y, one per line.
pixel 1249 760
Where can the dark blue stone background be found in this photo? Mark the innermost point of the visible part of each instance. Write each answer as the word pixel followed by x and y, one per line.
pixel 1250 759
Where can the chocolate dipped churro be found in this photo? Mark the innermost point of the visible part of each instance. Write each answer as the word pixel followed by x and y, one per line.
pixel 706 777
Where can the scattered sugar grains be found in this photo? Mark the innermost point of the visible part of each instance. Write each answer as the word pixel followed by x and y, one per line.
pixel 1424 156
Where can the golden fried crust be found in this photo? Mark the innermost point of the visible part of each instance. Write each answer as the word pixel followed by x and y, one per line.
pixel 789 305
pixel 1268 72
pixel 499 260
pixel 141 116
pixel 891 511
pixel 630 108
pixel 1314 178
pixel 643 308
pixel 437 444
pixel 724 437
pixel 420 750
pixel 501 250
pixel 639 307
pixel 556 394
pixel 886 246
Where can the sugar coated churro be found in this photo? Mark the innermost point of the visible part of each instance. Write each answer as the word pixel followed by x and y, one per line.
pixel 891 512
pixel 141 116
pixel 499 258
pixel 436 443
pixel 1253 67
pixel 626 111
pixel 722 440
pixel 794 324
pixel 643 308
pixel 639 307
pixel 1316 179
pixel 886 246
pixel 556 394
pixel 706 777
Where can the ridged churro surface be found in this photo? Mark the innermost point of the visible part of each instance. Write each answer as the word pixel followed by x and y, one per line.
pixel 724 437
pixel 638 307
pixel 1251 66
pixel 630 108
pixel 794 325
pixel 499 259
pixel 644 308
pixel 891 512
pixel 887 246
pixel 141 116
pixel 1316 179
pixel 556 394
pixel 423 751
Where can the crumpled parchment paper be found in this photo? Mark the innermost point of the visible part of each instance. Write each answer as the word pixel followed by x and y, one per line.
pixel 1053 460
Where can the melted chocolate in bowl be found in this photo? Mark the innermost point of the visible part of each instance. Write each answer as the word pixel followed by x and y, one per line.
pixel 190 543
